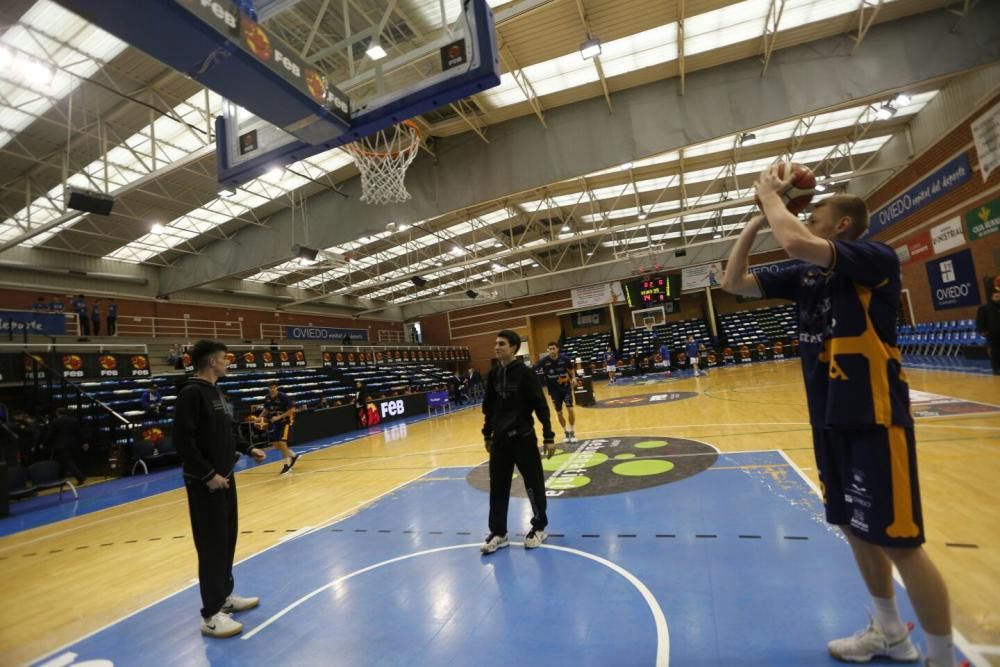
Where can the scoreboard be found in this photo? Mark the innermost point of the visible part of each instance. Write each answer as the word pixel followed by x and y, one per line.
pixel 652 291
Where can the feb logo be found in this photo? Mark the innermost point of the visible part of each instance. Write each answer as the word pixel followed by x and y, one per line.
pixel 256 39
pixel 107 362
pixel 72 362
pixel 141 363
pixel 230 358
pixel 249 358
pixel 32 360
pixel 316 83
pixel 267 357
pixel 283 356
pixel 340 357
pixel 153 434
pixel 300 356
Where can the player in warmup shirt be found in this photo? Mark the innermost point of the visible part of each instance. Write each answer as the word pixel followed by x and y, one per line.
pixel 279 415
pixel 664 353
pixel 558 371
pixel 609 363
pixel 847 292
pixel 691 349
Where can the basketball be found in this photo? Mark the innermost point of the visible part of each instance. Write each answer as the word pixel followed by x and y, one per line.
pixel 801 191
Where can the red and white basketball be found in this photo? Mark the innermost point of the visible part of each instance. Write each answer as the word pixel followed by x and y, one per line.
pixel 801 189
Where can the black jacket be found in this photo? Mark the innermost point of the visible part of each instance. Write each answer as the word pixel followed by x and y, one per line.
pixel 63 433
pixel 204 431
pixel 512 393
pixel 988 320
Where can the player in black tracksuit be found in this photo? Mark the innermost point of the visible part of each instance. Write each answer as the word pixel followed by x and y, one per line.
pixel 513 392
pixel 208 445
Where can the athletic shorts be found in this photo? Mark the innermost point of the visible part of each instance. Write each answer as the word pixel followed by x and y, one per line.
pixel 560 395
pixel 279 431
pixel 611 369
pixel 869 482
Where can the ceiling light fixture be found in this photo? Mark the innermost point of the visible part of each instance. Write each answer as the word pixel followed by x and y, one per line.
pixel 748 138
pixel 375 50
pixel 642 214
pixel 902 100
pixel 226 193
pixel 157 229
pixel 590 48
pixel 885 112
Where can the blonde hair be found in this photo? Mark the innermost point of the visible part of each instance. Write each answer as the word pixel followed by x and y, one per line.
pixel 849 206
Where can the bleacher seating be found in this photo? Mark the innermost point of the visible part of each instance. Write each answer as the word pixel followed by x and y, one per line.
pixel 589 348
pixel 946 338
pixel 762 325
pixel 640 344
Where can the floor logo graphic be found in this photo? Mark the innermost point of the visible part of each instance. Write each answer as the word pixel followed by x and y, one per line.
pixel 604 466
pixel 638 400
pixel 924 404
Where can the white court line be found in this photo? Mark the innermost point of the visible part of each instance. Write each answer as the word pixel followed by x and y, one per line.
pixel 986 649
pixel 659 619
pixel 970 650
pixel 336 517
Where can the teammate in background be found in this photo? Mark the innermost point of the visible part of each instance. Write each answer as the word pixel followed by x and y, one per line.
pixel 279 415
pixel 95 317
pixel 80 308
pixel 664 353
pixel 847 293
pixel 988 324
pixel 207 442
pixel 610 362
pixel 559 372
pixel 512 394
pixel 56 305
pixel 112 318
pixel 691 349
pixel 40 305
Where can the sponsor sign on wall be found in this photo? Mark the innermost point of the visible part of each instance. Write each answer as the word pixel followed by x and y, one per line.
pixel 983 220
pixel 335 335
pixel 939 183
pixel 700 277
pixel 915 247
pixel 41 324
pixel 947 235
pixel 597 295
pixel 953 281
pixel 986 134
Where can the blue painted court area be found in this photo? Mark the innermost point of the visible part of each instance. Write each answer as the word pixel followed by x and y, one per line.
pixel 732 566
pixel 50 508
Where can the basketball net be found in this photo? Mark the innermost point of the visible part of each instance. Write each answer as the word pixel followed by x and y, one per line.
pixel 382 159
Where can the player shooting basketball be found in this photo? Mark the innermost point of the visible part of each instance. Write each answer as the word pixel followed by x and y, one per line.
pixel 847 292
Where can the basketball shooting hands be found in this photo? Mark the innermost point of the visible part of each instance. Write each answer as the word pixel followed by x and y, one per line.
pixel 769 182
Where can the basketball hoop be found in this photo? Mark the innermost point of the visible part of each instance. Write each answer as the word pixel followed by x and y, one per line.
pixel 382 159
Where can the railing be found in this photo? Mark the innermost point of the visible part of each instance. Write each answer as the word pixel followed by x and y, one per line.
pixel 178 327
pixel 74 347
pixel 390 336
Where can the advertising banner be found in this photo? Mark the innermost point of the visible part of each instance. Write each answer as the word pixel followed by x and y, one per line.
pixel 939 183
pixel 953 281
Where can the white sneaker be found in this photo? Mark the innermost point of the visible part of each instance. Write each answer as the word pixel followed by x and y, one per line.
pixel 221 625
pixel 494 542
pixel 870 643
pixel 534 538
pixel 235 603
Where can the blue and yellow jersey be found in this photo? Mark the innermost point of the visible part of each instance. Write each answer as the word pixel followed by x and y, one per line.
pixel 557 371
pixel 847 335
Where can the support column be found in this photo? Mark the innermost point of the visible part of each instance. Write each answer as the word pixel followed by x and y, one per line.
pixel 711 313
pixel 614 326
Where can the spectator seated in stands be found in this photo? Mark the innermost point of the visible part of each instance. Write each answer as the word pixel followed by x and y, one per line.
pixel 62 437
pixel 152 401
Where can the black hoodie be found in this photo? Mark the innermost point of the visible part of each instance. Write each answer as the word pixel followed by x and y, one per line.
pixel 204 431
pixel 512 393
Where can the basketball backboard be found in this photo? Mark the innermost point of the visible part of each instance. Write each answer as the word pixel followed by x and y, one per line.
pixel 400 59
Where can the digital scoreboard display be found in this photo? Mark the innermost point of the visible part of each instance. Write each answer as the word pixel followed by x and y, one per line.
pixel 652 291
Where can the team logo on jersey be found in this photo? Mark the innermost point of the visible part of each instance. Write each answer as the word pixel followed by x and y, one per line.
pixel 604 466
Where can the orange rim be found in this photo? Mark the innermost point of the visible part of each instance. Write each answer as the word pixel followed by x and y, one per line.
pixel 415 133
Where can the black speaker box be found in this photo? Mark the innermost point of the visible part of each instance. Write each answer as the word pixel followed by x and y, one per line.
pixel 89 201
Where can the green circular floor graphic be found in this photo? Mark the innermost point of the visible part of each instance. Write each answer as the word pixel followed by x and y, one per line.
pixel 603 466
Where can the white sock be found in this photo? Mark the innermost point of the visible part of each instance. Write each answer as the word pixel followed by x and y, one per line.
pixel 887 618
pixel 287 460
pixel 940 650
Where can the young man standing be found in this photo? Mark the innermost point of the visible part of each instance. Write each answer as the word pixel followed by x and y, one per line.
pixel 691 349
pixel 512 393
pixel 664 353
pixel 610 363
pixel 988 324
pixel 112 318
pixel 559 372
pixel 279 415
pixel 847 292
pixel 80 308
pixel 95 317
pixel 206 440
